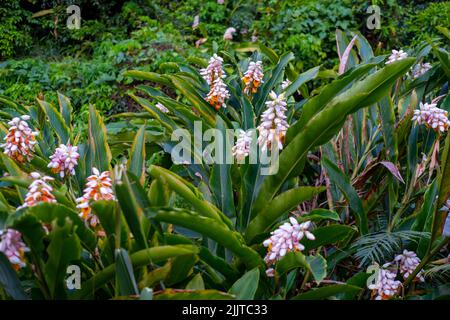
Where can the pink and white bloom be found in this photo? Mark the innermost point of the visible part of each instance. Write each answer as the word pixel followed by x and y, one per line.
pixel 253 77
pixel 218 94
pixel 228 35
pixel 242 147
pixel 385 286
pixel 20 140
pixel 98 187
pixel 64 160
pixel 162 108
pixel 408 262
pixel 13 247
pixel 38 191
pixel 420 69
pixel 214 70
pixel 273 126
pixel 397 55
pixel 286 83
pixel 286 239
pixel 432 116
pixel 196 22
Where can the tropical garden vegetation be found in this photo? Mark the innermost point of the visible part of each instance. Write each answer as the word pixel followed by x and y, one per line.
pixel 354 121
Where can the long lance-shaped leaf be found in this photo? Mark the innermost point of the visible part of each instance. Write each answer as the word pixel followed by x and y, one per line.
pixel 387 116
pixel 151 76
pixel 328 122
pixel 124 273
pixel 189 193
pixel 56 120
pixel 100 152
pixel 138 259
pixel 65 108
pixel 9 280
pixel 343 183
pixel 302 79
pixel 210 228
pixel 136 163
pixel 279 206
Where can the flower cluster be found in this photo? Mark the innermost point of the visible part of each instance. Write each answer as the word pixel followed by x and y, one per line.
pixel 64 160
pixel 12 246
pixel 38 191
pixel 397 55
pixel 385 286
pixel 408 262
pixel 432 116
pixel 228 35
pixel 162 108
pixel 242 147
pixel 214 76
pixel 98 187
pixel 273 126
pixel 420 69
pixel 286 83
pixel 253 77
pixel 285 239
pixel 20 140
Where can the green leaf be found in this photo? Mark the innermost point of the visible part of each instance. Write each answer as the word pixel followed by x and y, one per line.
pixel 136 164
pixel 328 235
pixel 387 116
pixel 124 274
pixel 177 294
pixel 98 146
pixel 317 215
pixel 196 283
pixel 65 108
pixel 245 288
pixel 327 292
pixel 277 207
pixel 9 280
pixel 302 79
pixel 292 260
pixel 56 120
pixel 343 183
pixel 318 267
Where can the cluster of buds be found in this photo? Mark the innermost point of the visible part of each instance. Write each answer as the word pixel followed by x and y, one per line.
pixel 397 55
pixel 64 160
pixel 214 75
pixel 420 69
pixel 162 108
pixel 98 187
pixel 242 147
pixel 20 140
pixel 286 239
pixel 273 126
pixel 253 77
pixel 38 191
pixel 432 116
pixel 228 35
pixel 408 262
pixel 385 286
pixel 12 246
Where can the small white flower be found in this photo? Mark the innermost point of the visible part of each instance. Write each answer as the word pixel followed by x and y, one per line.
pixel 242 147
pixel 432 116
pixel 64 160
pixel 228 35
pixel 420 69
pixel 162 108
pixel 12 246
pixel 253 77
pixel 20 140
pixel 286 83
pixel 196 22
pixel 408 262
pixel 397 56
pixel 273 125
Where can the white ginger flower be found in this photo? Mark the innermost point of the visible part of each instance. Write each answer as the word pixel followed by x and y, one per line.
pixel 20 140
pixel 64 160
pixel 408 262
pixel 228 35
pixel 13 247
pixel 397 56
pixel 214 70
pixel 253 77
pixel 286 83
pixel 420 69
pixel 162 108
pixel 432 116
pixel 38 191
pixel 218 93
pixel 273 126
pixel 98 187
pixel 285 239
pixel 242 147
pixel 385 286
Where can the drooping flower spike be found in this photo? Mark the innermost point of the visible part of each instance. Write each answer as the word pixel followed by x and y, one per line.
pixel 64 160
pixel 253 77
pixel 408 262
pixel 273 126
pixel 13 247
pixel 98 187
pixel 20 140
pixel 385 285
pixel 214 76
pixel 242 147
pixel 38 191
pixel 432 116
